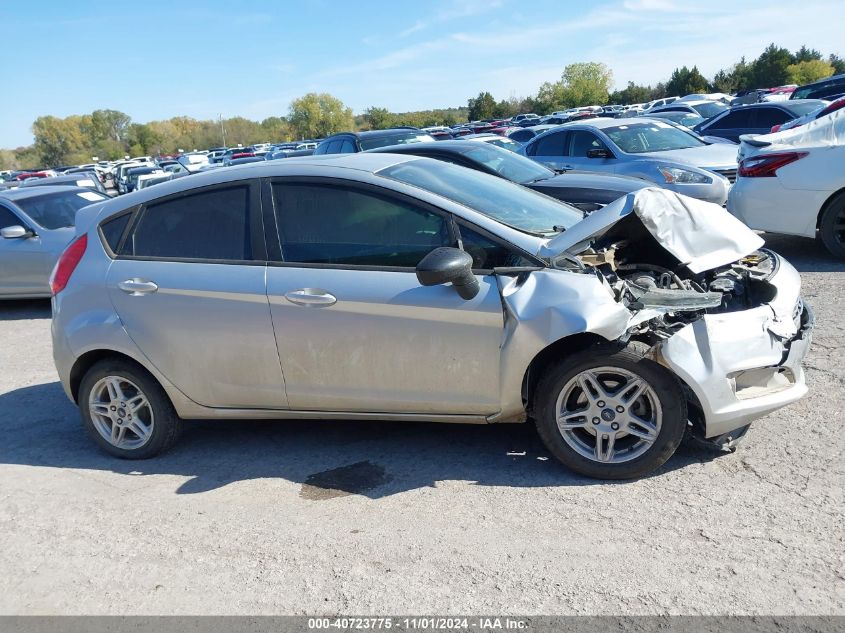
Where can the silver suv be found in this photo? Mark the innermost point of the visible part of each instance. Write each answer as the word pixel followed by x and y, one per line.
pixel 383 286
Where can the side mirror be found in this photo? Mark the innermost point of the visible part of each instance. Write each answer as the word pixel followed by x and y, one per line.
pixel 15 232
pixel 599 152
pixel 449 265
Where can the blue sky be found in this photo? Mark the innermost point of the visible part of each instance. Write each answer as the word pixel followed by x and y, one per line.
pixel 155 59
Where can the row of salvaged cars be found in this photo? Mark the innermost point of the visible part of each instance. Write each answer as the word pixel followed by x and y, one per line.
pixel 590 281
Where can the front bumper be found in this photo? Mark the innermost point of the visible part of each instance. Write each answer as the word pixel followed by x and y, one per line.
pixel 744 365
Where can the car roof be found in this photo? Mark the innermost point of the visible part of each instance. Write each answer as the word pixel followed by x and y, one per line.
pixel 369 162
pixel 457 146
pixel 831 79
pixel 374 133
pixel 22 193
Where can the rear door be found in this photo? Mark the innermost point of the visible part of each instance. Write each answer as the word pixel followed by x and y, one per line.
pixel 355 329
pixel 189 287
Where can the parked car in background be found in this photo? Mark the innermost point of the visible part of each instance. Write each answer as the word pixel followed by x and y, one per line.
pixel 519 118
pixel 131 176
pixel 121 177
pixel 523 135
pixel 192 161
pixel 89 180
pixel 246 160
pixel 821 89
pixel 706 109
pixel 818 113
pixel 494 139
pixel 588 192
pixel 352 142
pixel 233 153
pixel 793 182
pixel 758 118
pixel 687 119
pixel 665 154
pixel 36 225
pixel 511 310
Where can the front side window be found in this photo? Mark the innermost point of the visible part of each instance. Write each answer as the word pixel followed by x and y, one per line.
pixel 582 141
pixel 400 138
pixel 326 224
pixel 212 225
pixel 508 164
pixel 7 218
pixel 488 254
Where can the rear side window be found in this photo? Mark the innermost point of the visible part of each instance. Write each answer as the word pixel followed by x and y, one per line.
pixel 768 117
pixel 347 147
pixel 549 145
pixel 334 225
pixel 737 120
pixel 213 225
pixel 113 230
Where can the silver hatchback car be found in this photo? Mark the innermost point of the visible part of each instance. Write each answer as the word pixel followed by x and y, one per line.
pixel 392 287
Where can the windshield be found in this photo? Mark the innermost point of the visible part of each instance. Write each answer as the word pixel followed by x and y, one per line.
pixel 503 201
pixel 708 110
pixel 655 136
pixel 57 210
pixel 507 164
pixel 400 138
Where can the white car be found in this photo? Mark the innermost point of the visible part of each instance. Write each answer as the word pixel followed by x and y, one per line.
pixel 793 182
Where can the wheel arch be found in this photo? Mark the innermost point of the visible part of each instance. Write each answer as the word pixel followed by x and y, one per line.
pixel 552 353
pixel 826 205
pixel 87 360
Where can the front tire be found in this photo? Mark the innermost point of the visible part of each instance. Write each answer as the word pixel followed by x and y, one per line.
pixel 126 411
pixel 832 227
pixel 610 413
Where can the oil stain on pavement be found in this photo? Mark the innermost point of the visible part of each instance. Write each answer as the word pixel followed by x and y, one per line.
pixel 353 479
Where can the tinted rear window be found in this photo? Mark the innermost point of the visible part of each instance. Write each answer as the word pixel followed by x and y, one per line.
pixel 113 230
pixel 211 225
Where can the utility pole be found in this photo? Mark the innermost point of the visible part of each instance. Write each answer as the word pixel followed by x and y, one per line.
pixel 222 130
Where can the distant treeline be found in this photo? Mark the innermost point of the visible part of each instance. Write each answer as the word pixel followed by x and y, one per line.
pixel 110 134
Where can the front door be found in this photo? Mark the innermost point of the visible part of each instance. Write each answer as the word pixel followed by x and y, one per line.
pixel 189 287
pixel 24 265
pixel 355 329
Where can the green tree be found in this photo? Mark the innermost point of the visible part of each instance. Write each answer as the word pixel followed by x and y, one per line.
pixel 482 107
pixel 805 54
pixel 686 81
pixel 56 139
pixel 378 118
pixel 837 62
pixel 316 115
pixel 769 70
pixel 586 83
pixel 275 128
pixel 808 71
pixel 632 94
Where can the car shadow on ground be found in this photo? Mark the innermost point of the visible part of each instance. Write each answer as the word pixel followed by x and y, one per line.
pixel 20 309
pixel 807 255
pixel 41 428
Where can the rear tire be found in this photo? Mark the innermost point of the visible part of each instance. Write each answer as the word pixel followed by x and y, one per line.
pixel 610 413
pixel 832 227
pixel 126 411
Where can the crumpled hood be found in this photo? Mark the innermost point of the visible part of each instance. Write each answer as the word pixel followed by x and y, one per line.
pixel 701 235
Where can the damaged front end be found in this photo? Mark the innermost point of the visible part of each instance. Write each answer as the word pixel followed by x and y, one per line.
pixel 724 315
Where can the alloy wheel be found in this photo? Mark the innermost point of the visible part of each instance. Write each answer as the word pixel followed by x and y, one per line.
pixel 121 412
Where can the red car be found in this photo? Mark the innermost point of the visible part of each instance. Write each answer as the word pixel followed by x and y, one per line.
pixel 32 174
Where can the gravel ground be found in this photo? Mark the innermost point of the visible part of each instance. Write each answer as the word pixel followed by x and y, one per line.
pixel 369 518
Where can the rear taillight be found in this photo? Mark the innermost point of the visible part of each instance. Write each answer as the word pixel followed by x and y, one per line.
pixel 775 128
pixel 766 165
pixel 67 264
